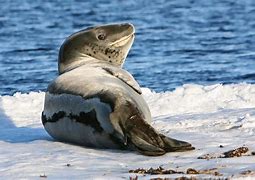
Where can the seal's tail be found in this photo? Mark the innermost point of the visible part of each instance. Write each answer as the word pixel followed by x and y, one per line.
pixel 146 140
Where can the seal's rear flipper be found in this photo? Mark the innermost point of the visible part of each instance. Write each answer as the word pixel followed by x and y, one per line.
pixel 173 145
pixel 135 132
pixel 146 148
pixel 148 141
pixel 143 137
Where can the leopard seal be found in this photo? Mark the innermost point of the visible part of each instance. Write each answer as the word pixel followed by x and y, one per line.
pixel 94 102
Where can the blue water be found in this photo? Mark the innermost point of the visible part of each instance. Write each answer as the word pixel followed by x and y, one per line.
pixel 177 41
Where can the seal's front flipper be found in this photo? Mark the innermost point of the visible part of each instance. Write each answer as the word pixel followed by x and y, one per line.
pixel 124 76
pixel 173 145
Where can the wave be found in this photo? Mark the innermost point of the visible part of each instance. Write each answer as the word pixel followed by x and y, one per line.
pixel 216 115
pixel 193 98
pixel 25 109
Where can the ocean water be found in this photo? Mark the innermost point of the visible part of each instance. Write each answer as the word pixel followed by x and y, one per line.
pixel 177 42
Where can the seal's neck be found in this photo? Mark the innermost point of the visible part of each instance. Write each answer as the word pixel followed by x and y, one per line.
pixel 85 59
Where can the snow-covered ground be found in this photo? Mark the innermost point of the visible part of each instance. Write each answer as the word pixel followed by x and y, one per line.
pixel 206 116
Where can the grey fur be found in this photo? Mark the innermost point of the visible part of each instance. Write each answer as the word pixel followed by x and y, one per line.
pixel 105 103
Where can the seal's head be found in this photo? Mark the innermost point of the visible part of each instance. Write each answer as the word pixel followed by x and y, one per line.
pixel 107 43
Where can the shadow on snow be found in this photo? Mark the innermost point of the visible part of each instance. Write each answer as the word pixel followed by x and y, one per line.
pixel 9 132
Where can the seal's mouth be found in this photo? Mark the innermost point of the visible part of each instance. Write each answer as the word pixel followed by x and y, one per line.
pixel 123 41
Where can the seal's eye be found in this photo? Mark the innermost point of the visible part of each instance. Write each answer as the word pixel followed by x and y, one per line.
pixel 101 36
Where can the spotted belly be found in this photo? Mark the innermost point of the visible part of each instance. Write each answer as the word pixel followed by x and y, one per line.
pixel 73 119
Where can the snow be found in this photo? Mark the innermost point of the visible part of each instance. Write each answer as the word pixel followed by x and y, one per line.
pixel 205 116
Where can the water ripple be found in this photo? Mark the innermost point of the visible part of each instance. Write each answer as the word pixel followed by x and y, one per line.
pixel 177 41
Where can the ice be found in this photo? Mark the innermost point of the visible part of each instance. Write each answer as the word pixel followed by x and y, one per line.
pixel 205 116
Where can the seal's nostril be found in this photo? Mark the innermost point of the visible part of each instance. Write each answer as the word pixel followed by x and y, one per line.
pixel 101 36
